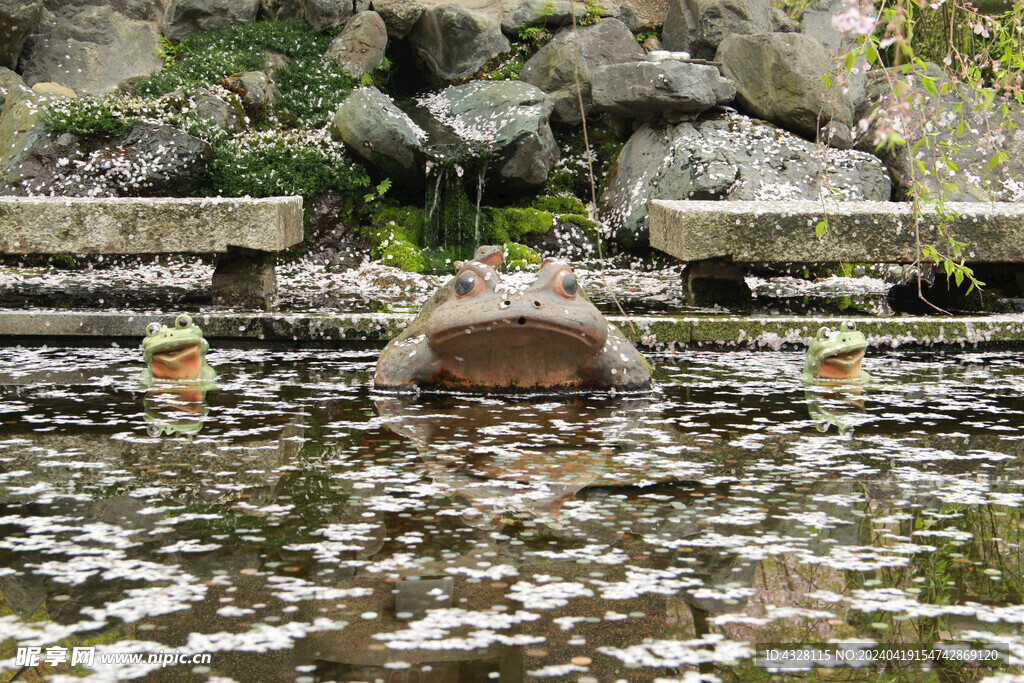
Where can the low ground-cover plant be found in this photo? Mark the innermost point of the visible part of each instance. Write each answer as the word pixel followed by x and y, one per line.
pixel 272 163
pixel 310 86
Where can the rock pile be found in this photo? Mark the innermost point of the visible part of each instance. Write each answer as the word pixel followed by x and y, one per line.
pixel 734 107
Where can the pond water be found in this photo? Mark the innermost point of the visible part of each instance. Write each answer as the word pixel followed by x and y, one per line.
pixel 297 526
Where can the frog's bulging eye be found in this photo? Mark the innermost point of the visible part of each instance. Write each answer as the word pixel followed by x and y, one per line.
pixel 568 285
pixel 183 321
pixel 850 326
pixel 153 328
pixel 824 333
pixel 465 284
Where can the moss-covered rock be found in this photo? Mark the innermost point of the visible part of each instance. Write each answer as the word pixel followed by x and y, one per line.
pixel 560 204
pixel 404 222
pixel 519 256
pixel 511 224
pixel 400 254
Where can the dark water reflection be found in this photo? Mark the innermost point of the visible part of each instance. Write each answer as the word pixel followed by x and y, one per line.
pixel 300 527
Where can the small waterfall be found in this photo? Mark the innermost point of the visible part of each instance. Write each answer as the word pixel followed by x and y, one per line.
pixel 437 191
pixel 453 222
pixel 449 221
pixel 481 178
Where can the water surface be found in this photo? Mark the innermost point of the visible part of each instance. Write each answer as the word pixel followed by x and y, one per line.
pixel 298 526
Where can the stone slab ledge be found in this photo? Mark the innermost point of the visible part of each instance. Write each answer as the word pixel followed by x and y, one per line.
pixel 132 225
pixel 858 232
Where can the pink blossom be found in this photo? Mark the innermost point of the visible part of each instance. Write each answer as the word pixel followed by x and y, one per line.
pixel 854 21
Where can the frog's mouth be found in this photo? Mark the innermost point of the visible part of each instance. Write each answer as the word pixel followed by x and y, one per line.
pixel 180 361
pixel 844 364
pixel 518 331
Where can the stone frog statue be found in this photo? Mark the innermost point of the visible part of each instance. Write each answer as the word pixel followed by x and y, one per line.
pixel 176 353
pixel 836 355
pixel 478 333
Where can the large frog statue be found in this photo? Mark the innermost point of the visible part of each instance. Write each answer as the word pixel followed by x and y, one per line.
pixel 836 355
pixel 478 333
pixel 176 353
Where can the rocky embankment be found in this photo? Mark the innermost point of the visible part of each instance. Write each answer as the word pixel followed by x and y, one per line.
pixel 408 125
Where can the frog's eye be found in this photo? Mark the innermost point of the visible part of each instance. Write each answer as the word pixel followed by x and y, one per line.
pixel 850 326
pixel 153 329
pixel 824 333
pixel 183 321
pixel 467 284
pixel 566 284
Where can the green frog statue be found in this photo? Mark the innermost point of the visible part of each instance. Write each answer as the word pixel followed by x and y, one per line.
pixel 836 356
pixel 480 333
pixel 176 353
pixel 176 378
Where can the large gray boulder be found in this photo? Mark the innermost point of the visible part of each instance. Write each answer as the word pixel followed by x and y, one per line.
pixel 578 52
pixel 778 78
pixel 526 13
pixel 90 48
pixel 8 81
pixel 520 14
pixel 218 111
pixel 728 157
pixel 382 134
pixel 22 130
pixel 969 139
pixel 152 160
pixel 18 18
pixel 699 26
pixel 283 9
pixel 455 42
pixel 360 47
pixel 399 15
pixel 185 17
pixel 508 119
pixel 654 90
pixel 324 15
pixel 255 91
pixel 816 22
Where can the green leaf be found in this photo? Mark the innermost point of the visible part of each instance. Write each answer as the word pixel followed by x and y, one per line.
pixel 849 60
pixel 821 229
pixel 959 277
pixel 871 53
pixel 960 128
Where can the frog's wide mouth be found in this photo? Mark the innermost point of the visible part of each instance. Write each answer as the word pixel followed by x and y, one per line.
pixel 842 364
pixel 517 331
pixel 176 354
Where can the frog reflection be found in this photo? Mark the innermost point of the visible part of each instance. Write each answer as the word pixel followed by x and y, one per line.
pixel 839 407
pixel 175 410
pixel 479 333
pixel 836 356
pixel 489 482
pixel 177 353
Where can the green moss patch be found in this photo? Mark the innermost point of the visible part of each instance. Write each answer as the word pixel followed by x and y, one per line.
pixel 560 204
pixel 520 257
pixel 503 226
